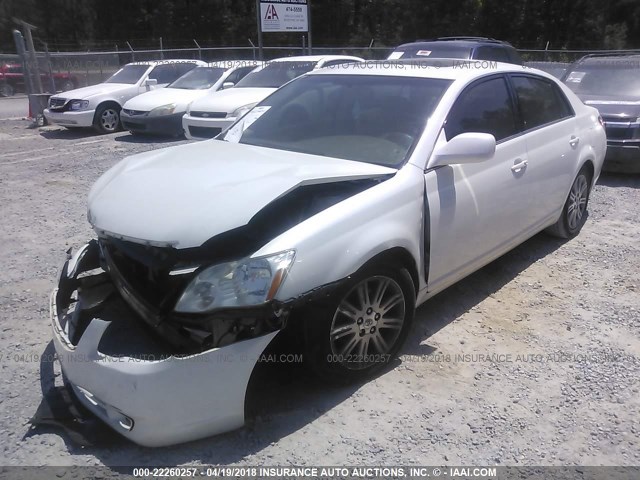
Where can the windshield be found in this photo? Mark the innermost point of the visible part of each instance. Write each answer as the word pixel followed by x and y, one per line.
pixel 128 74
pixel 199 78
pixel 371 119
pixel 275 74
pixel 612 77
pixel 431 50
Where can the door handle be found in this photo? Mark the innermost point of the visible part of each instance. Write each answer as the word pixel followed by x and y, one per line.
pixel 574 141
pixel 520 165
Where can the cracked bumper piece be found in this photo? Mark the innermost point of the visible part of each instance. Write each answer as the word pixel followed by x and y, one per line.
pixel 136 385
pixel 72 119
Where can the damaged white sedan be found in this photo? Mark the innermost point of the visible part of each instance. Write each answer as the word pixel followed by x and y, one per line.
pixel 335 206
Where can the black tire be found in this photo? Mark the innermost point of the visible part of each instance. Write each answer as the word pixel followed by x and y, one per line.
pixel 7 90
pixel 574 214
pixel 107 119
pixel 348 339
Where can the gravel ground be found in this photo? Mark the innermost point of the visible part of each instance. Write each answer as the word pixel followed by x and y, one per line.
pixel 534 360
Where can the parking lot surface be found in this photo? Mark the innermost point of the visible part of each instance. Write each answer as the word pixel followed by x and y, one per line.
pixel 534 360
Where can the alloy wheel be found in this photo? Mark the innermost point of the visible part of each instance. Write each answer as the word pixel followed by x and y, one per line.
pixel 109 119
pixel 368 322
pixel 577 202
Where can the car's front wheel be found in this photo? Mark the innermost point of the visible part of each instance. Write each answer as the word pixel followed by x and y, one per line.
pixel 365 325
pixel 107 119
pixel 6 90
pixel 574 213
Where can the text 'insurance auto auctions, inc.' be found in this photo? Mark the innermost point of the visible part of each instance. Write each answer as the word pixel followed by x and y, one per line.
pixel 284 16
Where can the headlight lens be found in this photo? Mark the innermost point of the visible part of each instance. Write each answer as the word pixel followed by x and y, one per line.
pixel 79 104
pixel 163 110
pixel 243 283
pixel 240 112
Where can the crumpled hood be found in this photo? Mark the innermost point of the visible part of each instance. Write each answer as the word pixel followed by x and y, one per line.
pixel 187 194
pixel 86 93
pixel 623 106
pixel 230 99
pixel 163 96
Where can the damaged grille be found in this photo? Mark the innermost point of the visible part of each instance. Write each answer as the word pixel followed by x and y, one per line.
pixel 143 272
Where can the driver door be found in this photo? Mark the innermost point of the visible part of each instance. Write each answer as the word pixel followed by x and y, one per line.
pixel 477 211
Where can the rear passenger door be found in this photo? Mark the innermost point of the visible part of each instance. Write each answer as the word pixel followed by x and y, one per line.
pixel 552 141
pixel 478 211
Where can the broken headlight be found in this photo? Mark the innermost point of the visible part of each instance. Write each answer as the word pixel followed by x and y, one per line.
pixel 243 283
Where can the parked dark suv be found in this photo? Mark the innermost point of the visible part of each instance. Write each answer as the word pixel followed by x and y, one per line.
pixel 611 83
pixel 464 48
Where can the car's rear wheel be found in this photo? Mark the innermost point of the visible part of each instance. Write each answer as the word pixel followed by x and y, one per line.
pixel 574 213
pixel 6 90
pixel 107 119
pixel 363 327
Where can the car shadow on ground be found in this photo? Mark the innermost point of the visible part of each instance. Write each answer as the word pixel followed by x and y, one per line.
pixel 284 397
pixel 141 138
pixel 69 134
pixel 610 179
pixel 447 306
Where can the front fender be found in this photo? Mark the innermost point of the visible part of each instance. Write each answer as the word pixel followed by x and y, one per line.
pixel 339 240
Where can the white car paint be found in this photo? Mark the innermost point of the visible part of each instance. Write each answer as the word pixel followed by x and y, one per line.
pixel 103 92
pixel 216 111
pixel 183 97
pixel 180 98
pixel 154 181
pixel 468 211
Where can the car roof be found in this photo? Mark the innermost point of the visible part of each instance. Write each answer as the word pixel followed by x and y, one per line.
pixel 233 63
pixel 316 58
pixel 448 69
pixel 170 60
pixel 610 59
pixel 460 41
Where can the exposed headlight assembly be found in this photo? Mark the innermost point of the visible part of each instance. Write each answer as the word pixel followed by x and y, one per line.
pixel 79 104
pixel 240 112
pixel 243 283
pixel 167 109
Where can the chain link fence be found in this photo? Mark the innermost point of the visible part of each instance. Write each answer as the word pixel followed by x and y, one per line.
pixel 79 69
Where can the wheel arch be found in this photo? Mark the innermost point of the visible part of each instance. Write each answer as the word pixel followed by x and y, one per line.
pixel 396 256
pixel 106 103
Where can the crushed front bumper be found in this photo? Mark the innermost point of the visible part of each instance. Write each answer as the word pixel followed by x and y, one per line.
pixel 70 119
pixel 133 383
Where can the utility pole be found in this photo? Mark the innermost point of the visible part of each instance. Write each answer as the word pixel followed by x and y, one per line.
pixel 259 20
pixel 32 67
pixel 309 26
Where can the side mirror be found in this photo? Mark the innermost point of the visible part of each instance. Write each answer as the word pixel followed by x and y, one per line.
pixel 464 148
pixel 150 82
pixel 226 85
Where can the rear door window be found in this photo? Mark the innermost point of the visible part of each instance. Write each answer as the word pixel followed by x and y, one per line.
pixel 541 102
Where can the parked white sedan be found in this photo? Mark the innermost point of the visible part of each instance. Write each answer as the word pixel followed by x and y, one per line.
pixel 160 111
pixel 331 210
pixel 99 105
pixel 209 115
